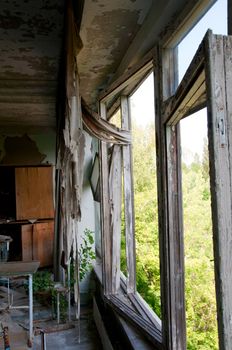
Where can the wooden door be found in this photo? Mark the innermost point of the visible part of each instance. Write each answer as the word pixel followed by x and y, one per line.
pixel 34 196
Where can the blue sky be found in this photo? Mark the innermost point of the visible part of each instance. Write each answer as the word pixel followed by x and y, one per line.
pixel 215 19
pixel 193 128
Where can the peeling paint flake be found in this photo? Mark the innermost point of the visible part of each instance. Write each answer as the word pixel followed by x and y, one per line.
pixel 31 41
pixel 108 28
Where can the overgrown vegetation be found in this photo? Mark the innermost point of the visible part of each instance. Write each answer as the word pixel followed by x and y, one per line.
pixel 200 290
pixel 43 280
pixel 86 253
pixel 199 263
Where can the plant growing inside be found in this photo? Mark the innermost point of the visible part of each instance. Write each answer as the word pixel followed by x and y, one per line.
pixel 44 284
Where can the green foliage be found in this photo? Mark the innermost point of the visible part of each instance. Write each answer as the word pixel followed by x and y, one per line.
pixel 146 216
pixel 86 253
pixel 199 267
pixel 205 161
pixel 123 245
pixel 45 291
pixel 199 270
pixel 43 281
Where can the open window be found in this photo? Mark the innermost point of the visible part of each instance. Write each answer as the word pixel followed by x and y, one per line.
pixel 207 82
pixel 117 189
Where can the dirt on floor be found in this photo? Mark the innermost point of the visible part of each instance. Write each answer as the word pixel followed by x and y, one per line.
pixel 48 335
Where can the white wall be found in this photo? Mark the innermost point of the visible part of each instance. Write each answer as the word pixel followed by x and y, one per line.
pixel 88 217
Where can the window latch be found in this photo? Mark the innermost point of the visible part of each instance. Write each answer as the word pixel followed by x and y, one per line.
pixel 222 129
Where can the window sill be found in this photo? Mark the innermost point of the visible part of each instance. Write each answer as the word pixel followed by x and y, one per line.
pixel 134 309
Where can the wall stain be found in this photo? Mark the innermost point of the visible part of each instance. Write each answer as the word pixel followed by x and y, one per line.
pixel 21 150
pixel 107 38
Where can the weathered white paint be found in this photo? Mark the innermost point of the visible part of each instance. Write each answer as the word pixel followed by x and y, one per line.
pixel 87 214
pixel 115 190
pixel 219 79
pixel 128 201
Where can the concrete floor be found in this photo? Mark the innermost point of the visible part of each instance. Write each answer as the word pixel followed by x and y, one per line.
pixel 17 323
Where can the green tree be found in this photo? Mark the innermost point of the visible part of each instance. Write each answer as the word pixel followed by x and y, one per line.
pixel 146 215
pixel 199 270
pixel 205 161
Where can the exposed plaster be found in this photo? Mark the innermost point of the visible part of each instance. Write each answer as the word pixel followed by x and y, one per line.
pixel 27 149
pixel 21 150
pixel 46 144
pixel 107 30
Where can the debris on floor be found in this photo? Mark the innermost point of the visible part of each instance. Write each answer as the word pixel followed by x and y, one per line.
pixel 48 335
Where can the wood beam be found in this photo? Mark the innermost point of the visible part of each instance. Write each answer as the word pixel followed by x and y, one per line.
pixel 128 201
pixel 106 239
pixel 184 21
pixel 229 17
pixel 189 91
pixel 175 110
pixel 138 321
pixel 115 191
pixel 219 92
pixel 134 73
pixel 170 208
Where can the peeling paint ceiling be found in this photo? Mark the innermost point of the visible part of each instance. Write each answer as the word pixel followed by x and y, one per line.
pixel 30 41
pixel 115 34
pixel 107 29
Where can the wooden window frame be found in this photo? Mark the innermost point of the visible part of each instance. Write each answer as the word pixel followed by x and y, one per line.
pixel 120 291
pixel 203 85
pixel 207 82
pixel 173 103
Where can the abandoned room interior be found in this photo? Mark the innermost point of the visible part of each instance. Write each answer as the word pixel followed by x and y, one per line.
pixel 67 72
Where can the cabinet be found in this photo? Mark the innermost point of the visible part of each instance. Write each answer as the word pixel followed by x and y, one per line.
pixel 34 197
pixel 37 242
pixel 26 196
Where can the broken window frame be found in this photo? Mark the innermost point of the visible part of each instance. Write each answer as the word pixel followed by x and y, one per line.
pixel 207 82
pixel 198 88
pixel 120 291
pixel 173 102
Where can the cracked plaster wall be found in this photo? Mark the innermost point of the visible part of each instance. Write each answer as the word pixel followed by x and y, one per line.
pixel 28 149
